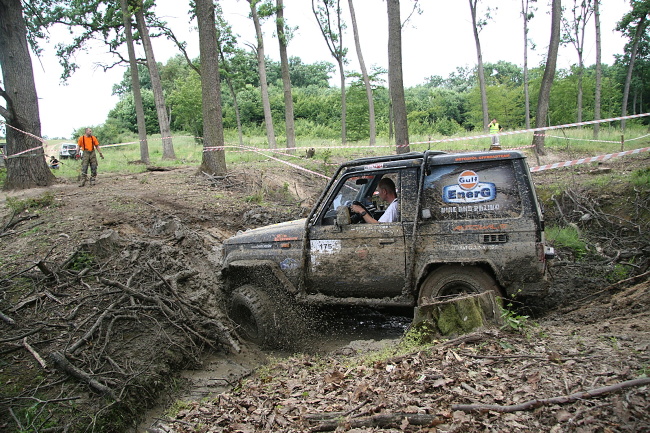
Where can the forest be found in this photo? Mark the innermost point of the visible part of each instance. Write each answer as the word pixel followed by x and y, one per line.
pixel 233 89
pixel 443 106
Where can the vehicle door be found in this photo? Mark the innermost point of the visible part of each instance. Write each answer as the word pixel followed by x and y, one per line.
pixel 359 259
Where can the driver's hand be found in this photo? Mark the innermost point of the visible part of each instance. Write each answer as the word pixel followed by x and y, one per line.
pixel 356 208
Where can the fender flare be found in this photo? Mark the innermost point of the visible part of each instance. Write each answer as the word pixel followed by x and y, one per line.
pixel 262 273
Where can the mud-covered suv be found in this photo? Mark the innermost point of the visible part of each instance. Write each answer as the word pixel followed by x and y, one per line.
pixel 467 223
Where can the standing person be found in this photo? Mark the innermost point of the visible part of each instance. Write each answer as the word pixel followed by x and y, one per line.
pixel 495 128
pixel 88 143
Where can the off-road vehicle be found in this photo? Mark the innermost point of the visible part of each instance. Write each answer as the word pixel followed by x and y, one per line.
pixel 468 223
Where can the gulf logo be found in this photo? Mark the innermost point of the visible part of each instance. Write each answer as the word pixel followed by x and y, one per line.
pixel 468 180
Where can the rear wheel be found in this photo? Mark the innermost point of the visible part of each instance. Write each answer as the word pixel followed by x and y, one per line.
pixel 253 311
pixel 454 280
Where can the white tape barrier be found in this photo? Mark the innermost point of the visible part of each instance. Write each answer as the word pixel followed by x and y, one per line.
pixel 588 160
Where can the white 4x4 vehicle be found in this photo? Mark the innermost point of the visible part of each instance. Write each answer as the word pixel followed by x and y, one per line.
pixel 468 223
pixel 68 150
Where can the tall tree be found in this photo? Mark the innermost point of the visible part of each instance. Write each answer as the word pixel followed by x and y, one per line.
pixel 574 33
pixel 159 97
pixel 21 103
pixel 261 66
pixel 328 14
pixel 639 15
pixel 599 69
pixel 226 42
pixel 290 128
pixel 364 76
pixel 214 157
pixel 135 83
pixel 395 77
pixel 477 26
pixel 549 74
pixel 527 12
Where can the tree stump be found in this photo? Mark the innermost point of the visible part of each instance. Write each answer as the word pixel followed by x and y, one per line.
pixel 458 315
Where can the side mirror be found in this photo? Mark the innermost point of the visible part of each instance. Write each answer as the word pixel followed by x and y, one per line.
pixel 343 216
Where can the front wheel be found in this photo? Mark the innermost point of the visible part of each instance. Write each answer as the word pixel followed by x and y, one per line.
pixel 455 280
pixel 253 312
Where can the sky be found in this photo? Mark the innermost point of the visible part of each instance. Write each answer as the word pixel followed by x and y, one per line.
pixel 435 42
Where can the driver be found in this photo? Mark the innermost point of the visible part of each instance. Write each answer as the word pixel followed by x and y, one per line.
pixel 386 190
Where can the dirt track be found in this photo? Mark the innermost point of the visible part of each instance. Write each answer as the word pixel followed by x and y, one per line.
pixel 171 222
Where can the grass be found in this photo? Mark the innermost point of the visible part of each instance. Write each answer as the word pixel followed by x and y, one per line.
pixel 567 237
pixel 188 151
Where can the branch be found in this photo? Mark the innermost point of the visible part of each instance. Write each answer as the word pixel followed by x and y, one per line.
pixel 34 353
pixel 532 404
pixel 62 363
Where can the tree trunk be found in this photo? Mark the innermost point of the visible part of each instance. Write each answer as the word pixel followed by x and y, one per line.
pixel 599 69
pixel 524 11
pixel 334 40
pixel 135 83
pixel 286 79
pixel 457 316
pixel 395 77
pixel 214 160
pixel 481 73
pixel 30 169
pixel 156 86
pixel 366 79
pixel 261 65
pixel 344 109
pixel 549 75
pixel 640 28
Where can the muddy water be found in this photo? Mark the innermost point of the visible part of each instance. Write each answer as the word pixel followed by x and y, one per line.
pixel 341 329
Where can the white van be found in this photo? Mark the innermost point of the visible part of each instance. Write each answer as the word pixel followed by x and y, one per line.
pixel 68 150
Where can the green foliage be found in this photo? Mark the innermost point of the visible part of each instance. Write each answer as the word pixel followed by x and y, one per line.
pixel 641 178
pixel 513 321
pixel 567 237
pixel 43 201
pixel 618 272
pixel 3 176
pixel 81 260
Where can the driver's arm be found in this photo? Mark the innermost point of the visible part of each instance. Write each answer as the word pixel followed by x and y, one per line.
pixel 364 214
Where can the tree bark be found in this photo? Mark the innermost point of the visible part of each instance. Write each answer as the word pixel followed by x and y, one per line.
pixel 334 40
pixel 366 79
pixel 599 69
pixel 525 5
pixel 156 86
pixel 21 114
pixel 135 83
pixel 395 77
pixel 549 75
pixel 290 128
pixel 640 28
pixel 481 72
pixel 261 66
pixel 214 160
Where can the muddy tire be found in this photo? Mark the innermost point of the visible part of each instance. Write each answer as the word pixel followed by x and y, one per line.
pixel 454 280
pixel 253 313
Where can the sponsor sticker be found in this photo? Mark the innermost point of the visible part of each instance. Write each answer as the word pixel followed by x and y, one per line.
pixel 469 189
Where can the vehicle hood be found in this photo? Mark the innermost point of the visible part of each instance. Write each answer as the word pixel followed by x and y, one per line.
pixel 283 232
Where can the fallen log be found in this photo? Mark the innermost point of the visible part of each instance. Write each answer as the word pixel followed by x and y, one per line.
pixel 532 404
pixel 380 420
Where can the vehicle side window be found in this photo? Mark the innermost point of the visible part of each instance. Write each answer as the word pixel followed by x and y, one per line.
pixel 471 191
pixel 352 188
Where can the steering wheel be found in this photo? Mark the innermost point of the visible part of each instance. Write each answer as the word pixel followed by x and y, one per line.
pixel 356 218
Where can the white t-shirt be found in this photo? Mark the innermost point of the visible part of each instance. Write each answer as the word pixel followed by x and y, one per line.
pixel 391 214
